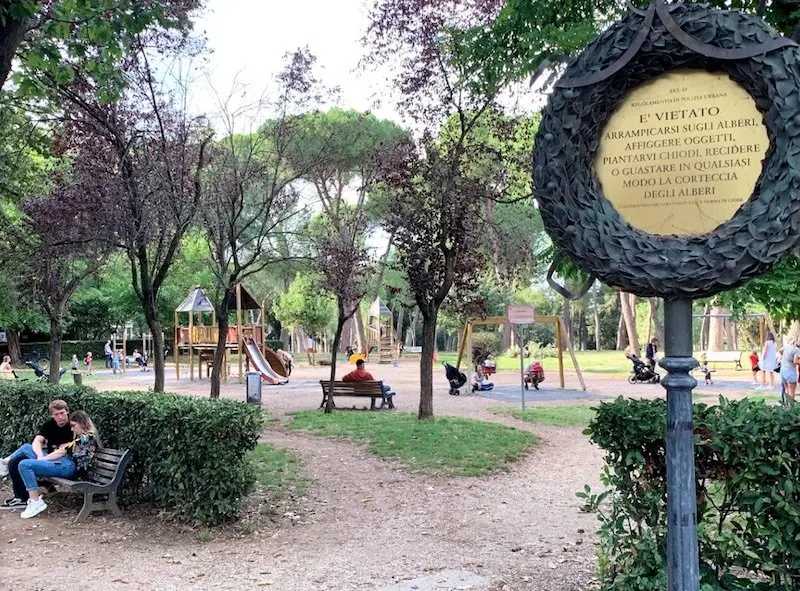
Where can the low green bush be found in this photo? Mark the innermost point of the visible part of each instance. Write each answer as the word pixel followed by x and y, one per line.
pixel 190 455
pixel 747 462
pixel 485 344
pixel 539 351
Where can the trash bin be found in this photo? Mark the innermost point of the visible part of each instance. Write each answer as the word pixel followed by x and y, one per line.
pixel 77 378
pixel 253 383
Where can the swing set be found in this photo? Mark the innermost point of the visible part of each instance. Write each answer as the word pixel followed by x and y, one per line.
pixel 561 338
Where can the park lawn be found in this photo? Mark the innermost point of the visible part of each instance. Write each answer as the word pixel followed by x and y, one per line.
pixel 278 471
pixel 442 446
pixel 559 416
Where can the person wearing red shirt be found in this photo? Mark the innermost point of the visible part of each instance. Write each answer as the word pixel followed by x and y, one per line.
pixel 359 374
pixel 754 366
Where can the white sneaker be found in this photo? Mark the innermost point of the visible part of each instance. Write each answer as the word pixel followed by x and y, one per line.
pixel 3 468
pixel 34 508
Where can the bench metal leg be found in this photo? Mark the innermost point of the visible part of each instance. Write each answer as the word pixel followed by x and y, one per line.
pixel 111 504
pixel 372 404
pixel 88 507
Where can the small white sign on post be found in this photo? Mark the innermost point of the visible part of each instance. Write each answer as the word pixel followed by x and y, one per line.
pixel 520 315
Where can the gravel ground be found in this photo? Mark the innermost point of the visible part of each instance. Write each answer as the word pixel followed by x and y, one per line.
pixel 366 524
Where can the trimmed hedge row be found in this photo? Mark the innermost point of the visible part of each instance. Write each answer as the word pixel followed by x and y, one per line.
pixel 190 455
pixel 747 462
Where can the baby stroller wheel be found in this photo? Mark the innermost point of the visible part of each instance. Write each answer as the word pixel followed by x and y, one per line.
pixel 656 379
pixel 631 379
pixel 455 392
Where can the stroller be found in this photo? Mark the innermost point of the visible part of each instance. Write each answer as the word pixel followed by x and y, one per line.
pixel 455 377
pixel 641 373
pixel 41 376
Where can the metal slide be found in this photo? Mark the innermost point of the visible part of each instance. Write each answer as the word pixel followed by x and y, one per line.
pixel 261 365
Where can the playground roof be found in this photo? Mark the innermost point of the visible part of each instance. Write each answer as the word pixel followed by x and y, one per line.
pixel 198 301
pixel 378 309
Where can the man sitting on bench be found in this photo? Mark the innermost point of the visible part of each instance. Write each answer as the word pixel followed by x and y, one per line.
pixel 359 374
pixel 53 433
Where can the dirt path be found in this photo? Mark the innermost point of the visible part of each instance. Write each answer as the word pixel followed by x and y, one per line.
pixel 367 524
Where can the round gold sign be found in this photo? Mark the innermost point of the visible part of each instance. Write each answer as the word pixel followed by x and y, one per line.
pixel 682 153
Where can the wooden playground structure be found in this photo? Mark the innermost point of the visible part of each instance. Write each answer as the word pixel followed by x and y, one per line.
pixel 561 338
pixel 380 332
pixel 199 340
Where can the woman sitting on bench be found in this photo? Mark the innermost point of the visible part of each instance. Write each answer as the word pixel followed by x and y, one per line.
pixel 69 460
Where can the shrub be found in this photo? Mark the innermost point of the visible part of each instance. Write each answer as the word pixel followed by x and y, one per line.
pixel 512 352
pixel 747 461
pixel 189 454
pixel 485 344
pixel 539 350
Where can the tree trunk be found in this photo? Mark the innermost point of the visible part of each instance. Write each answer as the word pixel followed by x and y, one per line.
pixel 14 349
pixel 658 325
pixel 361 332
pixel 338 337
pixel 56 333
pixel 716 331
pixel 628 302
pixel 426 363
pixel 222 340
pixel 154 324
pixel 622 336
pixel 597 343
pixel 398 333
pixel 566 316
pixel 12 32
pixel 705 327
pixel 494 238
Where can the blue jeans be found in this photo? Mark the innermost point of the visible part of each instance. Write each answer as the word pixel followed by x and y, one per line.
pixel 24 452
pixel 30 470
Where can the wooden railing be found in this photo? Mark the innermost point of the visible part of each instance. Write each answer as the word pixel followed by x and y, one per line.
pixel 208 335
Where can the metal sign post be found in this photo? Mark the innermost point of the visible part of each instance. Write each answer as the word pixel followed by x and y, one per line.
pixel 521 315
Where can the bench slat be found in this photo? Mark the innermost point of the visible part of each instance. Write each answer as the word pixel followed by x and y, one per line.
pixel 367 389
pixel 106 452
pixel 99 472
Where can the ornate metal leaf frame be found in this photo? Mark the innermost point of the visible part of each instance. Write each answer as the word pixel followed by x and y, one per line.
pixel 642 46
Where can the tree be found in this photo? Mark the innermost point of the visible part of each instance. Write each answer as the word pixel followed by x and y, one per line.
pixel 343 262
pixel 305 305
pixel 58 38
pixel 250 193
pixel 776 291
pixel 349 141
pixel 147 156
pixel 525 35
pixel 53 259
pixel 436 198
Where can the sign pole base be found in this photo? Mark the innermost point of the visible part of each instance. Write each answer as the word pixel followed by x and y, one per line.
pixel 682 555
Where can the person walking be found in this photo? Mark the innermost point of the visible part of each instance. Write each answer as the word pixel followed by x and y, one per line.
pixel 789 363
pixel 768 361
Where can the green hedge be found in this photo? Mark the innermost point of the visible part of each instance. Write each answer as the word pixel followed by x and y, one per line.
pixel 189 454
pixel 747 460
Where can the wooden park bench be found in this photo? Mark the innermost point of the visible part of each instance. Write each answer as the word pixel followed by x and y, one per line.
pixel 105 475
pixel 373 390
pixel 734 357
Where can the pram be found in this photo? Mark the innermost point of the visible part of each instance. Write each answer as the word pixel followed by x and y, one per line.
pixel 641 372
pixel 41 376
pixel 456 379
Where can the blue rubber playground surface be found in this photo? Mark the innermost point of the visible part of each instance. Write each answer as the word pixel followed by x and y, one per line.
pixel 512 394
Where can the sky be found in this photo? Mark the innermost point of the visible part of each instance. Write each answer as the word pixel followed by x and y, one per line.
pixel 248 38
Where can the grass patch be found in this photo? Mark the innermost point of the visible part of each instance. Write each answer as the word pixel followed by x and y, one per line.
pixel 443 446
pixel 278 472
pixel 560 416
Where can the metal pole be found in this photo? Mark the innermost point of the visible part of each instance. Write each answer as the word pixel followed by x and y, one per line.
pixel 522 368
pixel 682 557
